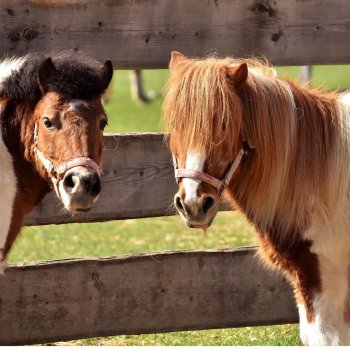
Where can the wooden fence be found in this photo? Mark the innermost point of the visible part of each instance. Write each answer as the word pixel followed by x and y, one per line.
pixel 72 299
pixel 145 293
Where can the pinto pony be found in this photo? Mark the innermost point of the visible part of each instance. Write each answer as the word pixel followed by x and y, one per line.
pixel 280 153
pixel 52 123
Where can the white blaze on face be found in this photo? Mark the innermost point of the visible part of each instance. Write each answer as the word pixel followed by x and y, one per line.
pixel 194 161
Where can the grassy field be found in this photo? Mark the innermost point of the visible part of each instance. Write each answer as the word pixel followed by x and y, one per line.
pixel 159 234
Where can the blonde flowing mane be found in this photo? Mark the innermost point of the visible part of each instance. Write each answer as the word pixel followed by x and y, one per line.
pixel 199 104
pixel 295 134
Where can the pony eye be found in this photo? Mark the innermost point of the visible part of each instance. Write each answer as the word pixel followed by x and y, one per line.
pixel 47 122
pixel 103 124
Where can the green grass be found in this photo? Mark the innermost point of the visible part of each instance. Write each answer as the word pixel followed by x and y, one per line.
pixel 327 77
pixel 248 336
pixel 126 115
pixel 159 234
pixel 128 236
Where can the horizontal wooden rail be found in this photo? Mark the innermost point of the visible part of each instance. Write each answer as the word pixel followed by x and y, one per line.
pixel 138 181
pixel 141 34
pixel 74 299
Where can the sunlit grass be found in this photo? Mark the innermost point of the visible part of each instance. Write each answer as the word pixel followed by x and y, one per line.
pixel 128 236
pixel 249 336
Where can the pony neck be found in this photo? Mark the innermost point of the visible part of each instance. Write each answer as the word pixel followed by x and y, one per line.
pixel 293 131
pixel 31 188
pixel 18 132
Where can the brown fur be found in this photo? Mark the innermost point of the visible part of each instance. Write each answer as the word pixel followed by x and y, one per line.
pixel 80 127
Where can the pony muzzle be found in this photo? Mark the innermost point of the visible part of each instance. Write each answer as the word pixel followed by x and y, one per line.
pixel 76 181
pixel 197 212
pixel 79 188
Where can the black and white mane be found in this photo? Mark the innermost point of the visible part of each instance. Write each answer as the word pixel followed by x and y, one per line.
pixel 74 76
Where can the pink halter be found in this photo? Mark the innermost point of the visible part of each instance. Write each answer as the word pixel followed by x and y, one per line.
pixel 216 183
pixel 57 172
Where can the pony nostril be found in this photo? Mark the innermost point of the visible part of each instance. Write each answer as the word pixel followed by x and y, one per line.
pixel 69 182
pixel 91 183
pixel 96 187
pixel 77 183
pixel 178 204
pixel 208 203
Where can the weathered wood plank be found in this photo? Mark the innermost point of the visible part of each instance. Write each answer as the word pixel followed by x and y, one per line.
pixel 138 181
pixel 141 34
pixel 140 294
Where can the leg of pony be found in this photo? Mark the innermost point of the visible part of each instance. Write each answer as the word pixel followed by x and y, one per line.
pixel 324 323
pixel 7 196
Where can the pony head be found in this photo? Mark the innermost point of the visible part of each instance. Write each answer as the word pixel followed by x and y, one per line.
pixel 69 123
pixel 56 103
pixel 203 113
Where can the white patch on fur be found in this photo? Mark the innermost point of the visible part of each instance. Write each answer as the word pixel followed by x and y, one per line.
pixel 303 325
pixel 8 182
pixel 346 97
pixel 8 66
pixel 75 104
pixel 7 193
pixel 194 161
pixel 328 327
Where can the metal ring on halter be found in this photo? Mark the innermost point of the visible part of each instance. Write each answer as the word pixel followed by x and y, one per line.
pixel 211 180
pixel 56 173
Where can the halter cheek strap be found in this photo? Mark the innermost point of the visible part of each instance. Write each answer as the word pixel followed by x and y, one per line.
pixel 216 183
pixel 56 173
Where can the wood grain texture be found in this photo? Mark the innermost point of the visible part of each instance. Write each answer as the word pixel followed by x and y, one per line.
pixel 138 181
pixel 141 34
pixel 74 299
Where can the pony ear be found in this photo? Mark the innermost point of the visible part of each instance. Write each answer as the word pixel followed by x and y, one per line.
pixel 107 73
pixel 238 74
pixel 176 58
pixel 45 73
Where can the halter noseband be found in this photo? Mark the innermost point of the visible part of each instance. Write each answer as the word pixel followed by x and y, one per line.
pixel 56 173
pixel 199 175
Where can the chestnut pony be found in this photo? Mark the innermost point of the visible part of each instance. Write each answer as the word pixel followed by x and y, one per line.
pixel 280 153
pixel 52 123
